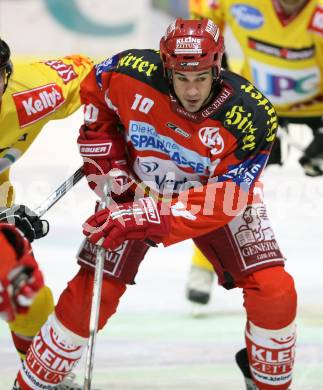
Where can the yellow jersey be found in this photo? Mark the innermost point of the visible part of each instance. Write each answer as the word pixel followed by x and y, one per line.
pixel 36 94
pixel 282 56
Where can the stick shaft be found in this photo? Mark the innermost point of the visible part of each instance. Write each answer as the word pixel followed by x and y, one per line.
pixel 60 192
pixel 94 318
pixel 96 300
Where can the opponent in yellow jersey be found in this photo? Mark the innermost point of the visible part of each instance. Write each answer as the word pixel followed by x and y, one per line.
pixel 32 94
pixel 36 94
pixel 282 47
pixel 282 51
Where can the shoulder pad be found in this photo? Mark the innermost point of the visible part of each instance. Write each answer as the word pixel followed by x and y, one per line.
pixel 70 67
pixel 107 65
pixel 79 60
pixel 141 64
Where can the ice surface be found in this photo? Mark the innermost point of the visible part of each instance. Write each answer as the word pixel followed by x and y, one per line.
pixel 153 342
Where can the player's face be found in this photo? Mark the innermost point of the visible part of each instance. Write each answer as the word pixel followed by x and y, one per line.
pixel 193 88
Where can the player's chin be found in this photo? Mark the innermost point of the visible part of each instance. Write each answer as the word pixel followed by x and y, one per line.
pixel 192 106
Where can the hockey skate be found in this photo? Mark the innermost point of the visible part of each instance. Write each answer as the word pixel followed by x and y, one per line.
pixel 243 364
pixel 199 288
pixel 67 384
pixel 313 167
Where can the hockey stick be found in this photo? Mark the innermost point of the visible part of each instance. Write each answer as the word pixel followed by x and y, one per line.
pixel 60 192
pixel 96 298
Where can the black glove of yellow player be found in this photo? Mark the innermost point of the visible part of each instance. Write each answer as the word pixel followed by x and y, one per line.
pixel 28 222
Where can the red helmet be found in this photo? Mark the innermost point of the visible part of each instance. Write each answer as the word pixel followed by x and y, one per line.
pixel 192 45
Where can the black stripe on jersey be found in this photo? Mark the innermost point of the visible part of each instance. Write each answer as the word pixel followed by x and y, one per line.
pixel 287 53
pixel 248 116
pixel 144 65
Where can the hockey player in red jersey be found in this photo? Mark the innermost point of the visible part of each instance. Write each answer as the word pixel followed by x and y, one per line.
pixel 197 138
pixel 281 44
pixel 20 277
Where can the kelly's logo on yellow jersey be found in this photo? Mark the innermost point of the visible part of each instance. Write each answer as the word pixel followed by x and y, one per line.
pixel 34 104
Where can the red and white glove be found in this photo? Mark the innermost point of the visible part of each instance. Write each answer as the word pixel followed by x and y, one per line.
pixel 104 158
pixel 144 219
pixel 20 277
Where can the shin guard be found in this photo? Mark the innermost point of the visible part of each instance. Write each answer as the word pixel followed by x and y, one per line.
pixel 53 354
pixel 22 344
pixel 271 356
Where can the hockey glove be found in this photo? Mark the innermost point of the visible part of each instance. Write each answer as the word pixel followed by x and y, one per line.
pixel 104 158
pixel 25 220
pixel 140 220
pixel 20 277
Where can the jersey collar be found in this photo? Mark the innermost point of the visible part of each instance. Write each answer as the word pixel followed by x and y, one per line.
pixel 286 19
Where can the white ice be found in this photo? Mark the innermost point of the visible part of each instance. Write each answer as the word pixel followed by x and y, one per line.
pixel 153 342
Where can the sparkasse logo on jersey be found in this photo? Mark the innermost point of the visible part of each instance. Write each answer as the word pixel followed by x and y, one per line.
pixel 34 104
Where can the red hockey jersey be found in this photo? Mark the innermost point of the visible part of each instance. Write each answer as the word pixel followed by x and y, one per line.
pixel 203 159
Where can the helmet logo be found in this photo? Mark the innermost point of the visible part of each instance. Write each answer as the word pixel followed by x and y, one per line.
pixel 211 137
pixel 183 64
pixel 188 45
pixel 212 29
pixel 170 29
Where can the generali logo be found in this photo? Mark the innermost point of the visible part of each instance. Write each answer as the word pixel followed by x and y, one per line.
pixel 37 103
